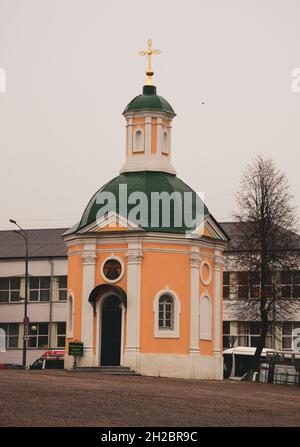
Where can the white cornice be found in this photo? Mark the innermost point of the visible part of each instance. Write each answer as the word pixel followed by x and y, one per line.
pixel 145 237
pixel 146 113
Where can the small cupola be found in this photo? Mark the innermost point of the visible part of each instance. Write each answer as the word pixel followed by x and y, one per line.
pixel 148 128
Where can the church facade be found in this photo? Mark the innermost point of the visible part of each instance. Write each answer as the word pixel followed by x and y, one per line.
pixel 145 286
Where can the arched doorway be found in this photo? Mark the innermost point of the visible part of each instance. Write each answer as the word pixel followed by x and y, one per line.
pixel 111 323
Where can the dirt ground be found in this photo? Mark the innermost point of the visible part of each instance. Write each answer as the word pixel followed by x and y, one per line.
pixel 61 398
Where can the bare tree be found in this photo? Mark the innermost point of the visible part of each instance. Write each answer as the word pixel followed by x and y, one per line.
pixel 266 244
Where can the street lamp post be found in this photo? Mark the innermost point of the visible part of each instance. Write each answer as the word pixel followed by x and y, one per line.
pixel 25 321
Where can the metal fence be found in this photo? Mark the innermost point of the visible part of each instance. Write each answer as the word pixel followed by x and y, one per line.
pixel 281 368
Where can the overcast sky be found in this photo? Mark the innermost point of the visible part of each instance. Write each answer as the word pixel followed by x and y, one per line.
pixel 72 66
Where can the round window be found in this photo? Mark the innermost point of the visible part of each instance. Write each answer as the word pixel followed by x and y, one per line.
pixel 112 269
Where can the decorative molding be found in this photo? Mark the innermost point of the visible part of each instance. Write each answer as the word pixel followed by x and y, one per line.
pixel 145 237
pixel 219 263
pixel 194 258
pixel 148 113
pixel 206 282
pixel 89 257
pixel 112 219
pixel 134 256
pixel 213 228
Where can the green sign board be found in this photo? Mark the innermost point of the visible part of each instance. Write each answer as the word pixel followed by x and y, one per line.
pixel 75 348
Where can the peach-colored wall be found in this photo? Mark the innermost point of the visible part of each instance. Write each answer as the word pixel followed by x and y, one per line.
pixel 160 270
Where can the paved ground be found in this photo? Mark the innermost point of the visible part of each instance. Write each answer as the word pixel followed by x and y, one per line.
pixel 60 398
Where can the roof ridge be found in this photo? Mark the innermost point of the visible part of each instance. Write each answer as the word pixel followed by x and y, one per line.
pixel 35 229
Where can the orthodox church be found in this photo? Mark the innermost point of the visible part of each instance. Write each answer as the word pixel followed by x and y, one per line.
pixel 144 284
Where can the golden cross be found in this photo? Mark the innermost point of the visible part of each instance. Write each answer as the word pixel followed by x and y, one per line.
pixel 149 53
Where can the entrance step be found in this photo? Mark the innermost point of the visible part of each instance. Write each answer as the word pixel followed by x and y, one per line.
pixel 108 370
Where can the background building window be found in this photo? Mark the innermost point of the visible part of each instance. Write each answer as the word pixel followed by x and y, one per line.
pixel 254 285
pixel 229 341
pixel 226 285
pixel 290 284
pixel 62 288
pixel 38 338
pixel 61 334
pixel 9 290
pixel 249 334
pixel 291 335
pixel 243 285
pixel 39 288
pixel 248 285
pixel 296 284
pixel 166 313
pixel 10 333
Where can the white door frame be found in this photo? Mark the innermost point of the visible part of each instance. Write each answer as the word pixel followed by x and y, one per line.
pixel 99 305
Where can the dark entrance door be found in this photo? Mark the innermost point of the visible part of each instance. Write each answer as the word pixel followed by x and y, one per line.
pixel 111 332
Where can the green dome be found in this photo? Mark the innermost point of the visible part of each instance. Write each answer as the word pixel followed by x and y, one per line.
pixel 148 182
pixel 149 100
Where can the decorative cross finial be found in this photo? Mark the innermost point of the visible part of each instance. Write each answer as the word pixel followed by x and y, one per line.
pixel 149 53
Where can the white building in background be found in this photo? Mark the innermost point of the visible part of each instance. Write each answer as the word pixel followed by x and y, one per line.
pixel 238 285
pixel 47 295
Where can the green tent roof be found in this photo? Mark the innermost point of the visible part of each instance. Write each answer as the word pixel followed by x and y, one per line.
pixel 149 100
pixel 148 182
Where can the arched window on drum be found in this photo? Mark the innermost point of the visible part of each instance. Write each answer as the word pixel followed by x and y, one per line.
pixel 138 141
pixel 165 148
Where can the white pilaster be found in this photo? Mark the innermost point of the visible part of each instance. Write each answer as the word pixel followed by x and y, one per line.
pixel 169 139
pixel 159 133
pixel 87 319
pixel 217 304
pixel 195 283
pixel 148 130
pixel 129 136
pixel 132 349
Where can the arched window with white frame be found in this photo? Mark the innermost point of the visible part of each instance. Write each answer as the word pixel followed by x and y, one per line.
pixel 70 316
pixel 166 312
pixel 167 309
pixel 205 318
pixel 138 141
